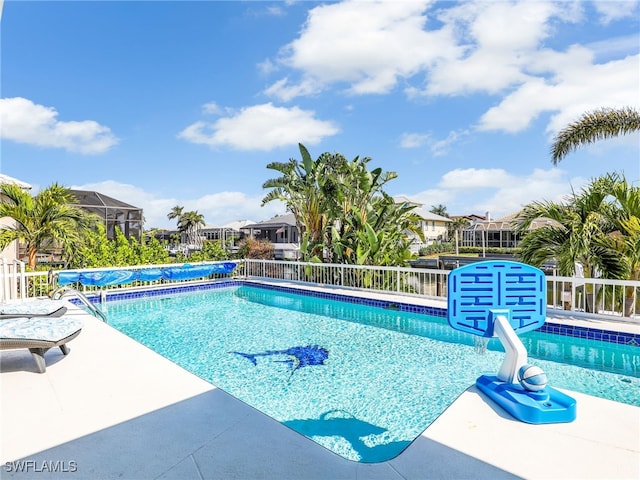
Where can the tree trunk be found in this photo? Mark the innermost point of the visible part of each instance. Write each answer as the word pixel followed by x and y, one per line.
pixel 32 256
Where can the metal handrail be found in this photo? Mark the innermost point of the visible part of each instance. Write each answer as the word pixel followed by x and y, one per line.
pixel 61 292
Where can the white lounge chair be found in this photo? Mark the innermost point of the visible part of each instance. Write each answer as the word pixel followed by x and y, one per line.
pixel 39 334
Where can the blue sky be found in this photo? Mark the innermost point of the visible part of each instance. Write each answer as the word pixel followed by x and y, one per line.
pixel 185 103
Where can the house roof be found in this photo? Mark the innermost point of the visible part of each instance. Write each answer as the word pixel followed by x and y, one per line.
pixel 427 215
pixel 472 217
pixel 424 214
pixel 508 223
pixel 403 199
pixel 238 224
pixel 14 181
pixel 88 198
pixel 278 221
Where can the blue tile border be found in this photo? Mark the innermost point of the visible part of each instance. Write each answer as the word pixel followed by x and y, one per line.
pixel 156 292
pixel 602 335
pixel 371 302
pixel 623 338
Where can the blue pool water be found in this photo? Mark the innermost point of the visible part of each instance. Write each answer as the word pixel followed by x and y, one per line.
pixel 385 377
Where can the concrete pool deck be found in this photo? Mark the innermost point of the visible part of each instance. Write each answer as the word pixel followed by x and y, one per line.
pixel 113 409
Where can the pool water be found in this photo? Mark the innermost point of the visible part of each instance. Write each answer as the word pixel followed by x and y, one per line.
pixel 362 381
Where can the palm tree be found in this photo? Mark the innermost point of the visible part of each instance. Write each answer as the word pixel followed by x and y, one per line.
pixel 599 228
pixel 341 209
pixel 189 224
pixel 593 126
pixel 455 228
pixel 300 189
pixel 176 212
pixel 578 233
pixel 626 237
pixel 439 210
pixel 40 221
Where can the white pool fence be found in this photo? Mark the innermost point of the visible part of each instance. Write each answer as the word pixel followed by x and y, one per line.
pixel 615 299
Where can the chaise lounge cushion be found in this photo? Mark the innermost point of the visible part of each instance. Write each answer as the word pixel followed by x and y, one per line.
pixel 34 308
pixel 39 334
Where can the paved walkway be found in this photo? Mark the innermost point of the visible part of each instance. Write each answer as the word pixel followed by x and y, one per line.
pixel 113 409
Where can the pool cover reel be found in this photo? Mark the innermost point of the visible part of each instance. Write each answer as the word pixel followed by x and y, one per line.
pixel 105 278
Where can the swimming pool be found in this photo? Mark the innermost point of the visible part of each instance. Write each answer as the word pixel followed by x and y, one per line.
pixel 361 381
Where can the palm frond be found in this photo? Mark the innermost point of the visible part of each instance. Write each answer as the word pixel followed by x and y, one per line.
pixel 594 126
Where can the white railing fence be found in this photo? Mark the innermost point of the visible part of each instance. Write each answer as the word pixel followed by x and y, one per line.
pixel 13 280
pixel 619 299
pixel 591 296
pixel 400 280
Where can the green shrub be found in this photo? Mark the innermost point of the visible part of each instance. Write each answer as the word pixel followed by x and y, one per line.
pixel 443 247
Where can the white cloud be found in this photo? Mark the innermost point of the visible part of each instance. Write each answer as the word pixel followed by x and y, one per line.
pixel 442 147
pixel 211 108
pixel 267 67
pixel 498 48
pixel 474 178
pixel 218 209
pixel 413 140
pixel 577 86
pixel 480 190
pixel 369 52
pixel 497 38
pixel 540 185
pixel 614 46
pixel 261 127
pixel 437 147
pixel 26 122
pixel 612 10
pixel 286 91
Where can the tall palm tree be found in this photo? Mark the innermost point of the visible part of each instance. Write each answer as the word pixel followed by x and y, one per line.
pixel 189 224
pixel 43 220
pixel 593 126
pixel 176 212
pixel 455 228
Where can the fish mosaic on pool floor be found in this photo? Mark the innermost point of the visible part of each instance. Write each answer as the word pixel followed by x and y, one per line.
pixel 298 357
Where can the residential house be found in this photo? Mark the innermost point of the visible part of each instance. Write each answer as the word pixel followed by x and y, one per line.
pixel 229 233
pixel 497 233
pixel 434 227
pixel 127 218
pixel 282 232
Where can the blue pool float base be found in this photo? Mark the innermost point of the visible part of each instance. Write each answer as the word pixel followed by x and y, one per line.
pixel 545 406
